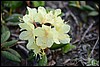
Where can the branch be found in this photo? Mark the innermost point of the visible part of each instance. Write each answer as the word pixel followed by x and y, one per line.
pixel 94 47
pixel 24 50
pixel 70 12
pixel 88 30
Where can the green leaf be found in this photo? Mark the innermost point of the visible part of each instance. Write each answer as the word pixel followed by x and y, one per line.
pixel 43 61
pixel 5 36
pixel 12 4
pixel 9 44
pixel 10 56
pixel 56 46
pixel 67 48
pixel 72 2
pixel 14 18
pixel 87 8
pixel 12 23
pixel 4 28
pixel 73 5
pixel 93 13
pixel 38 3
pixel 14 52
pixel 31 56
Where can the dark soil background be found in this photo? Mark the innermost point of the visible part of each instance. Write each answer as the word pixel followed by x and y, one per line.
pixel 84 33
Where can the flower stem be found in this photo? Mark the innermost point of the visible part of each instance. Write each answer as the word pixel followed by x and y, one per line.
pixel 35 24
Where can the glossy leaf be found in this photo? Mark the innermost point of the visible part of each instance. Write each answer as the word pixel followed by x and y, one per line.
pixel 43 61
pixel 9 44
pixel 73 5
pixel 93 13
pixel 14 52
pixel 10 56
pixel 12 23
pixel 56 46
pixel 87 8
pixel 14 18
pixel 72 2
pixel 38 3
pixel 4 28
pixel 67 48
pixel 5 36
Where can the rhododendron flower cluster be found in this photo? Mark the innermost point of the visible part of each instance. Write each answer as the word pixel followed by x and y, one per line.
pixel 42 29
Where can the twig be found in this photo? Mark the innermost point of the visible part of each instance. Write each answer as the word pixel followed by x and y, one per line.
pixel 67 14
pixel 21 42
pixel 15 35
pixel 74 18
pixel 72 15
pixel 24 49
pixel 94 47
pixel 91 39
pixel 88 30
pixel 66 61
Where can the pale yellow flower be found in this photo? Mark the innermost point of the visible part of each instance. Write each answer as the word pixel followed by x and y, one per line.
pixel 26 26
pixel 44 17
pixel 60 33
pixel 44 36
pixel 40 38
pixel 53 17
pixel 60 29
pixel 41 15
pixel 30 17
pixel 32 45
pixel 57 12
pixel 29 33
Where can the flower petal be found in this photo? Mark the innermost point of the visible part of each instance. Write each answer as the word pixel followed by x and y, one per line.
pixel 44 42
pixel 32 12
pixel 41 15
pixel 29 18
pixel 57 12
pixel 59 20
pixel 25 35
pixel 42 10
pixel 55 36
pixel 39 32
pixel 49 42
pixel 65 28
pixel 27 26
pixel 38 18
pixel 64 38
pixel 41 41
pixel 32 45
pixel 26 19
